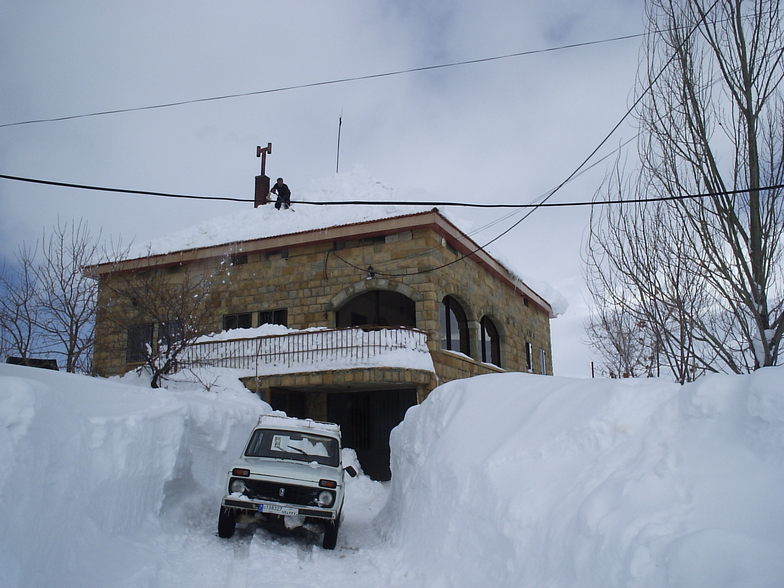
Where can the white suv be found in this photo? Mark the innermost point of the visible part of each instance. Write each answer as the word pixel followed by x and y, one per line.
pixel 290 472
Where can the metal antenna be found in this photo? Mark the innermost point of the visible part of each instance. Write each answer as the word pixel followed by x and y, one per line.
pixel 262 152
pixel 337 162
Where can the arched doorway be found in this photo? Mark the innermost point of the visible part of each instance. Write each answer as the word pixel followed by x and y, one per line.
pixel 367 415
pixel 378 308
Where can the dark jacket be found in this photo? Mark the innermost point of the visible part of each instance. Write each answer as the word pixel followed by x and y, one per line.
pixel 284 195
pixel 282 190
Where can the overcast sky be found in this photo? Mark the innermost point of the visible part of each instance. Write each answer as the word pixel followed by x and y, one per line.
pixel 500 131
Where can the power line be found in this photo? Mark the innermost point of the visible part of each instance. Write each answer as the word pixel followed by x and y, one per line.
pixel 326 82
pixel 542 204
pixel 337 80
pixel 122 190
pixel 436 203
pixel 576 170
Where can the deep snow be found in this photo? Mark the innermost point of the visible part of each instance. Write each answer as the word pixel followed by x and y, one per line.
pixel 501 480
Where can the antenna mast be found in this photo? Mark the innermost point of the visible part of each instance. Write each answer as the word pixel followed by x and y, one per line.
pixel 337 162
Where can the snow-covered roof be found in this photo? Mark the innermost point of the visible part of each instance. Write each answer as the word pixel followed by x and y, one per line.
pixel 268 228
pixel 267 221
pixel 282 421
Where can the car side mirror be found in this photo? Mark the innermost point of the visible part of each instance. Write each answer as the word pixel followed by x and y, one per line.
pixel 351 471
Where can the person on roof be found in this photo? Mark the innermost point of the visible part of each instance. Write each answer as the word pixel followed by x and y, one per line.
pixel 283 193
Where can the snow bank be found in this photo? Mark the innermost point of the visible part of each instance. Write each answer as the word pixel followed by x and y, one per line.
pixel 516 480
pixel 500 480
pixel 91 467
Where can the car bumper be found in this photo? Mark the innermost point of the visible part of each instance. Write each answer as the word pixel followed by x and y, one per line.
pixel 295 509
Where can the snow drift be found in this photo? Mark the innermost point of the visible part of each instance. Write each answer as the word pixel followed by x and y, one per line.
pixel 500 480
pixel 545 481
pixel 88 465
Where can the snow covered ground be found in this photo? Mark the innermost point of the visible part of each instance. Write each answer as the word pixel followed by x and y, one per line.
pixel 501 480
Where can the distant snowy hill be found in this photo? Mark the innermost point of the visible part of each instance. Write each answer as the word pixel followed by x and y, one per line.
pixel 500 480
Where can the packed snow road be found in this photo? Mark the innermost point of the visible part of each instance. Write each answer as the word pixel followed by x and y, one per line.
pixel 188 552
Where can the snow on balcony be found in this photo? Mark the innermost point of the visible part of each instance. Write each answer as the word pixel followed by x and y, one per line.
pixel 311 350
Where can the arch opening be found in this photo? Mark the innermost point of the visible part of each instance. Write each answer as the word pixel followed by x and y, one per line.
pixel 377 308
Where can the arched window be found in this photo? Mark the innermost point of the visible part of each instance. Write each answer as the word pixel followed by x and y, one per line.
pixel 454 327
pixel 378 308
pixel 490 342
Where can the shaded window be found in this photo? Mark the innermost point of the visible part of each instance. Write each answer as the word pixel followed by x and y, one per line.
pixel 379 308
pixel 529 357
pixel 139 338
pixel 170 332
pixel 454 327
pixel 278 316
pixel 490 342
pixel 240 320
pixel 542 362
pixel 239 258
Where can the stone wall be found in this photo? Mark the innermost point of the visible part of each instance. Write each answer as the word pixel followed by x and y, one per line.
pixel 312 280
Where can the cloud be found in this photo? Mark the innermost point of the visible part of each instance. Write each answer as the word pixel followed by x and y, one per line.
pixel 500 131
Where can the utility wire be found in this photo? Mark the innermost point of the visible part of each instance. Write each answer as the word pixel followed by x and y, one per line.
pixel 436 203
pixel 570 176
pixel 325 82
pixel 121 190
pixel 335 81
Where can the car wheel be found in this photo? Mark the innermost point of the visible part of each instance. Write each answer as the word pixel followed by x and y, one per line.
pixel 227 521
pixel 331 534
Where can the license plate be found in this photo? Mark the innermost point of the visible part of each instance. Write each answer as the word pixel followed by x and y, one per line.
pixel 277 509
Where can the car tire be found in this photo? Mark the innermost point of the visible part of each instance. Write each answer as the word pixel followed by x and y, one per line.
pixel 331 534
pixel 227 521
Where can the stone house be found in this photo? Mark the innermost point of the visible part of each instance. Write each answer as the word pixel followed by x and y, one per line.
pixel 413 277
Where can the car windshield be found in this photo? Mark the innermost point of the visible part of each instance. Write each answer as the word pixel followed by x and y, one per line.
pixel 293 445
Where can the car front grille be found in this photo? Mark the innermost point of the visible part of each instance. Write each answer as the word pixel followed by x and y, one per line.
pixel 276 492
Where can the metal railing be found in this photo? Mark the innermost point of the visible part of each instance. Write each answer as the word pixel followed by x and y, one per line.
pixel 313 350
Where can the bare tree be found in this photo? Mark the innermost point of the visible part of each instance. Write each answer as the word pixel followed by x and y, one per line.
pixel 704 272
pixel 627 347
pixel 169 309
pixel 19 312
pixel 66 298
pixel 47 305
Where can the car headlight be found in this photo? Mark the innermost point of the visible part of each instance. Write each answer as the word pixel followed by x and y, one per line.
pixel 325 498
pixel 237 486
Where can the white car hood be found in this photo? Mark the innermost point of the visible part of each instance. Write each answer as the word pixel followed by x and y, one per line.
pixel 290 470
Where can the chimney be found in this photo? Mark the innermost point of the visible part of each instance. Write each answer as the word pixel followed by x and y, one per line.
pixel 261 194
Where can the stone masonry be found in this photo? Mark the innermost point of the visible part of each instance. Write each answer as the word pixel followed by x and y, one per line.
pixel 312 275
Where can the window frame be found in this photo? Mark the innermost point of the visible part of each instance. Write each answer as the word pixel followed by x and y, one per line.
pixel 453 310
pixel 135 345
pixel 489 340
pixel 277 316
pixel 236 316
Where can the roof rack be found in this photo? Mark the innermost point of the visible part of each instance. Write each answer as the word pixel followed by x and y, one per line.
pixel 294 421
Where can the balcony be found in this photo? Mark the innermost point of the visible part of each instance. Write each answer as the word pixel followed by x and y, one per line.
pixel 314 350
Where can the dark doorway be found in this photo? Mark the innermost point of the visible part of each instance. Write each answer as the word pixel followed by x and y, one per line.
pixel 380 308
pixel 292 402
pixel 366 419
